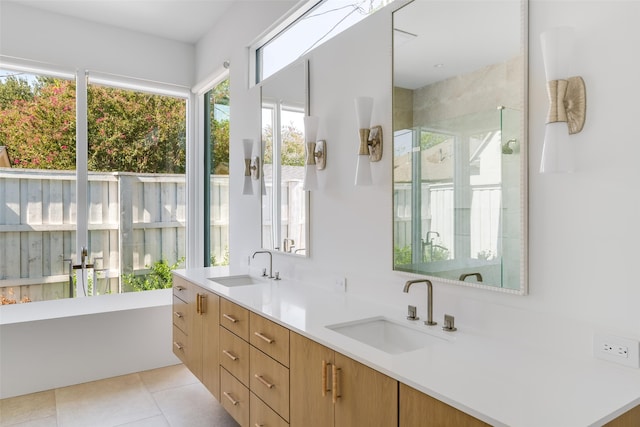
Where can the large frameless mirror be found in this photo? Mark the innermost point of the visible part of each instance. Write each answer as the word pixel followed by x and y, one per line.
pixel 285 206
pixel 460 163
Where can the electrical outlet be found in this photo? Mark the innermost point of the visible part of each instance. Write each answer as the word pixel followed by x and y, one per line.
pixel 340 284
pixel 620 350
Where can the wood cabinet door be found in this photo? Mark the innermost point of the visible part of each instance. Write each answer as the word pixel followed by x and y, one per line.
pixel 308 406
pixel 209 314
pixel 418 409
pixel 366 397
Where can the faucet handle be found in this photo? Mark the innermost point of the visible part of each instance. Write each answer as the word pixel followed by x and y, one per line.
pixel 411 312
pixel 449 322
pixel 276 275
pixel 264 272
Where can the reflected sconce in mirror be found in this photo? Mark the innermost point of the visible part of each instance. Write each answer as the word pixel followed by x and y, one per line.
pixel 370 141
pixel 567 100
pixel 316 153
pixel 251 167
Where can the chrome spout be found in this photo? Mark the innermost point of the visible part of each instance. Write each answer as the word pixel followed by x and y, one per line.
pixel 270 261
pixel 407 285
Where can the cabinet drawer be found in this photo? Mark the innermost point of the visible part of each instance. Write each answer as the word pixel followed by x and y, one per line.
pixel 180 344
pixel 234 397
pixel 180 314
pixel 182 289
pixel 269 337
pixel 262 415
pixel 234 355
pixel 269 380
pixel 234 318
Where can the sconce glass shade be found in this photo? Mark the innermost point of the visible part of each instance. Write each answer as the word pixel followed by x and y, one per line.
pixel 363 170
pixel 364 107
pixel 557 50
pixel 557 155
pixel 310 178
pixel 310 135
pixel 310 128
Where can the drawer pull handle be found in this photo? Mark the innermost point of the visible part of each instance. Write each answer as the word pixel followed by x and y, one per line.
pixel 335 392
pixel 178 345
pixel 230 318
pixel 178 314
pixel 230 355
pixel 231 399
pixel 259 425
pixel 325 365
pixel 263 381
pixel 265 338
pixel 179 288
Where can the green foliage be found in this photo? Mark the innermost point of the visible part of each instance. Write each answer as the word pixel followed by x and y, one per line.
pixel 225 260
pixel 402 255
pixel 158 278
pixel 292 152
pixel 128 131
pixel 430 139
pixel 219 96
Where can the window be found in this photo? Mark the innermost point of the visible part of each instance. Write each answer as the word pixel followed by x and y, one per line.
pixel 315 23
pixel 216 110
pixel 121 196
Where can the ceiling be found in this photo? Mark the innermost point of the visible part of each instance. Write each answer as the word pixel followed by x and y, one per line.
pixel 436 40
pixel 181 20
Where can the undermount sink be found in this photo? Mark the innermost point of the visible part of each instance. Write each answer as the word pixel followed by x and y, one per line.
pixel 390 336
pixel 241 280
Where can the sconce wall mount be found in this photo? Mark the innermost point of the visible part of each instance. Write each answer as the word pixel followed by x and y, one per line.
pixel 371 143
pixel 567 102
pixel 317 154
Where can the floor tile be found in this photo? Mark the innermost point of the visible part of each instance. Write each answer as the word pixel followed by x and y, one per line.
pixel 42 422
pixel 30 407
pixel 158 421
pixel 192 406
pixel 105 403
pixel 169 377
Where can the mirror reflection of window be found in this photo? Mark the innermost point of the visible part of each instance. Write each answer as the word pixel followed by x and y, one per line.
pixel 284 158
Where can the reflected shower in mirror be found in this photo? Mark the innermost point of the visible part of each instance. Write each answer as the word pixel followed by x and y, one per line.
pixel 284 203
pixel 459 131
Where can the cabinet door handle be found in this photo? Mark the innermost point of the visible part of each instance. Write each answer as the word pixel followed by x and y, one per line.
pixel 178 345
pixel 178 314
pixel 230 397
pixel 263 381
pixel 230 318
pixel 325 365
pixel 230 355
pixel 198 304
pixel 335 392
pixel 263 337
pixel 203 303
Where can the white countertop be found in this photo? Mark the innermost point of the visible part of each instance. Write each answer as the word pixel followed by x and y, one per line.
pixel 494 380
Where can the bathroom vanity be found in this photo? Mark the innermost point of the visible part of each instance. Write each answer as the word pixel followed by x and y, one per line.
pixel 278 353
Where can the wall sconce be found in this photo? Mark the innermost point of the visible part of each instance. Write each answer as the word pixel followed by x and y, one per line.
pixel 316 153
pixel 567 100
pixel 251 167
pixel 370 141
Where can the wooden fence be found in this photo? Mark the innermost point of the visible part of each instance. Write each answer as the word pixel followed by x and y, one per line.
pixel 134 220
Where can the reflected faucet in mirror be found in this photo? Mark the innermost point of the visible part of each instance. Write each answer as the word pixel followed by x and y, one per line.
pixel 288 245
pixel 478 276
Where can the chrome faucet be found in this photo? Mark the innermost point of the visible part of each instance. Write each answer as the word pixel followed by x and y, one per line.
pixel 270 261
pixel 407 285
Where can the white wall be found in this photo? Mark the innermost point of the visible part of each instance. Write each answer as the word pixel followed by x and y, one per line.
pixel 67 42
pixel 584 227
